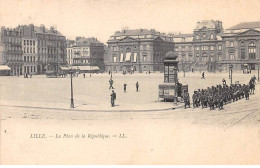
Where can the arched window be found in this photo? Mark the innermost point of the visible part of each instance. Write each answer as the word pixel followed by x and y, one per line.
pixel 252 50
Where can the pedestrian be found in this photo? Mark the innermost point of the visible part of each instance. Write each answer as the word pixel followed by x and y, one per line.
pixel 84 75
pixel 30 75
pixel 113 98
pixel 137 86
pixel 203 75
pixel 111 83
pixel 125 87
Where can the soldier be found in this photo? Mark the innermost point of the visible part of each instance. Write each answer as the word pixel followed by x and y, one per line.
pixel 194 99
pixel 113 98
pixel 186 98
pixel 224 82
pixel 111 83
pixel 137 86
pixel 247 92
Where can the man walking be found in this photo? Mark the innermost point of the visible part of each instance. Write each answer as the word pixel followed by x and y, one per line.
pixel 137 86
pixel 203 75
pixel 111 83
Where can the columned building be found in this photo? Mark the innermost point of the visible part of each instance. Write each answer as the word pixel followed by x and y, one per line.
pixel 201 50
pixel 11 50
pixel 137 50
pixel 242 46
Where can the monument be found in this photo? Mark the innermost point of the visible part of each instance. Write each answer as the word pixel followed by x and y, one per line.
pixel 171 89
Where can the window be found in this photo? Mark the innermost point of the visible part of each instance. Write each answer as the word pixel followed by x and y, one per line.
pixel 219 47
pixel 231 43
pixel 252 50
pixel 211 36
pixel 30 42
pixel 24 58
pixel 34 69
pixel 145 58
pixel 204 48
pixel 114 58
pixel 204 57
pixel 211 48
pixel 219 57
pixel 24 42
pixel 182 48
pixel 243 53
pixel 27 42
pixel 34 43
pixel 232 56
pixel 212 57
pixel 24 50
pixel 197 48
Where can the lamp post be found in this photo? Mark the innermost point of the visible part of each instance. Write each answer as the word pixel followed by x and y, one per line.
pixel 231 74
pixel 71 89
pixel 258 73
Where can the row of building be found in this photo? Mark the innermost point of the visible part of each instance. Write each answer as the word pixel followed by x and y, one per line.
pixel 35 50
pixel 209 47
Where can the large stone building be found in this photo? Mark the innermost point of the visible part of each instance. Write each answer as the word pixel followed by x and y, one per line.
pixel 33 50
pixel 11 53
pixel 242 46
pixel 211 48
pixel 137 50
pixel 201 50
pixel 86 51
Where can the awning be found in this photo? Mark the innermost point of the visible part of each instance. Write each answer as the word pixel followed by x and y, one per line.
pixel 128 57
pixel 135 57
pixel 4 68
pixel 88 68
pixel 122 57
pixel 64 68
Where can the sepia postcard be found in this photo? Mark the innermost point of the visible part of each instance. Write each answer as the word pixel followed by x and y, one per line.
pixel 129 82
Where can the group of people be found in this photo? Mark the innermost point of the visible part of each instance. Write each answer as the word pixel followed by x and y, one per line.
pixel 113 94
pixel 26 75
pixel 217 96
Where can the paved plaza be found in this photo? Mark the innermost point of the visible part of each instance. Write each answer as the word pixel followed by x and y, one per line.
pixel 49 98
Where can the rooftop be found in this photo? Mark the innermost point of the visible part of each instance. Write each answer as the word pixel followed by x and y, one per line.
pixel 135 32
pixel 246 25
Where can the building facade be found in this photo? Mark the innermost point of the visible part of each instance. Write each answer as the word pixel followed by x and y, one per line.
pixel 137 50
pixel 242 46
pixel 86 51
pixel 201 50
pixel 32 50
pixel 11 53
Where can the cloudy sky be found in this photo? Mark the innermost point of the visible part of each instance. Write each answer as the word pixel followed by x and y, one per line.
pixel 101 18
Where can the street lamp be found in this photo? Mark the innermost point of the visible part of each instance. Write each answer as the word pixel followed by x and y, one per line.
pixel 71 89
pixel 258 73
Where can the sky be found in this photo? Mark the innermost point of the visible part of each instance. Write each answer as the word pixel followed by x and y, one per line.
pixel 101 18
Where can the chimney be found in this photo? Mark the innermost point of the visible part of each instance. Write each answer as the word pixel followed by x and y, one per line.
pixel 42 28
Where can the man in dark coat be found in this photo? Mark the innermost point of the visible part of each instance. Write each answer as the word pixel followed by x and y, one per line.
pixel 113 98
